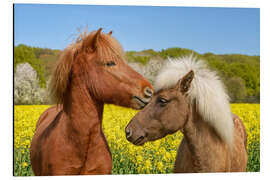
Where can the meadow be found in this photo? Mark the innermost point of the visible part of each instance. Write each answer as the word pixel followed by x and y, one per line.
pixel 153 157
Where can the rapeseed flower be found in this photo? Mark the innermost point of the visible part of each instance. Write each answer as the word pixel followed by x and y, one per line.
pixel 152 157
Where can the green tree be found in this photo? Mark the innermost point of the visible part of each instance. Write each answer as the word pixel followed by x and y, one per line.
pixel 236 89
pixel 175 52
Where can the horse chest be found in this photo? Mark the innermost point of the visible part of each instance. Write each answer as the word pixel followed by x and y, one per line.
pixel 207 161
pixel 93 157
pixel 98 159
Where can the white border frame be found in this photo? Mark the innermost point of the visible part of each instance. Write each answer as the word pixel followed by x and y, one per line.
pixel 7 85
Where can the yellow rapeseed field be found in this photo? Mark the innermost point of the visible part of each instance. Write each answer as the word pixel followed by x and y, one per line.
pixel 153 157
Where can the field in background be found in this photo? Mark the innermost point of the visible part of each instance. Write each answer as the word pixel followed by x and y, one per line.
pixel 153 157
pixel 33 67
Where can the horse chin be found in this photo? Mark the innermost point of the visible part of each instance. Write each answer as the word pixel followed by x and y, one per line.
pixel 138 103
pixel 140 141
pixel 137 106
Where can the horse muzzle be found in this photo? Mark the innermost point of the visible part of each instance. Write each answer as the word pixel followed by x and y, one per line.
pixel 143 101
pixel 137 137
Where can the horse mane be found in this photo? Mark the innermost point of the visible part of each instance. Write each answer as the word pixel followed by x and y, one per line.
pixel 105 46
pixel 207 92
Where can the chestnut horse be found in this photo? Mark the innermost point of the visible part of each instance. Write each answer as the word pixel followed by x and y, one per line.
pixel 189 97
pixel 69 139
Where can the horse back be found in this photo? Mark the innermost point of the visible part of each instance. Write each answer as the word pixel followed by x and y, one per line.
pixel 240 128
pixel 46 120
pixel 47 116
pixel 239 154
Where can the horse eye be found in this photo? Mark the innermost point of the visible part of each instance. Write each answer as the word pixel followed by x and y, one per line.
pixel 110 63
pixel 162 101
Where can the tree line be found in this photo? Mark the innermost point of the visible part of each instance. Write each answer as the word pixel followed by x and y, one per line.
pixel 240 73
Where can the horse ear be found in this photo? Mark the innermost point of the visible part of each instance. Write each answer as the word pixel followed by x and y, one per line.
pixel 91 41
pixel 95 39
pixel 110 33
pixel 184 83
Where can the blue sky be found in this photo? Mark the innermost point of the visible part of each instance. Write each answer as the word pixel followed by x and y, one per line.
pixel 216 30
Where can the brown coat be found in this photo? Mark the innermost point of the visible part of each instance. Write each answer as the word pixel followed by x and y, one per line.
pixel 69 139
pixel 202 149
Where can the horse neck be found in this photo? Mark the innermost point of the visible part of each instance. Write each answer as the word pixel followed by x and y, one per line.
pixel 84 112
pixel 202 141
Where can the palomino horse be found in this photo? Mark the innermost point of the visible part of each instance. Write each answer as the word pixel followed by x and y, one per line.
pixel 197 105
pixel 69 139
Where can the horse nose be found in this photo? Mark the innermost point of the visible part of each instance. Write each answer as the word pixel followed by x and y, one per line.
pixel 128 133
pixel 148 92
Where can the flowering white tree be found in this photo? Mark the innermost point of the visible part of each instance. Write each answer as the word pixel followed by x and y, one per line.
pixel 26 86
pixel 150 70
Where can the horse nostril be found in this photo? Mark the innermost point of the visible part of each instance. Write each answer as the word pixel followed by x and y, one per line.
pixel 128 133
pixel 148 92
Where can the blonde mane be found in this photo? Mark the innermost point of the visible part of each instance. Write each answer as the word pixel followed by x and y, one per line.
pixel 207 92
pixel 105 46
